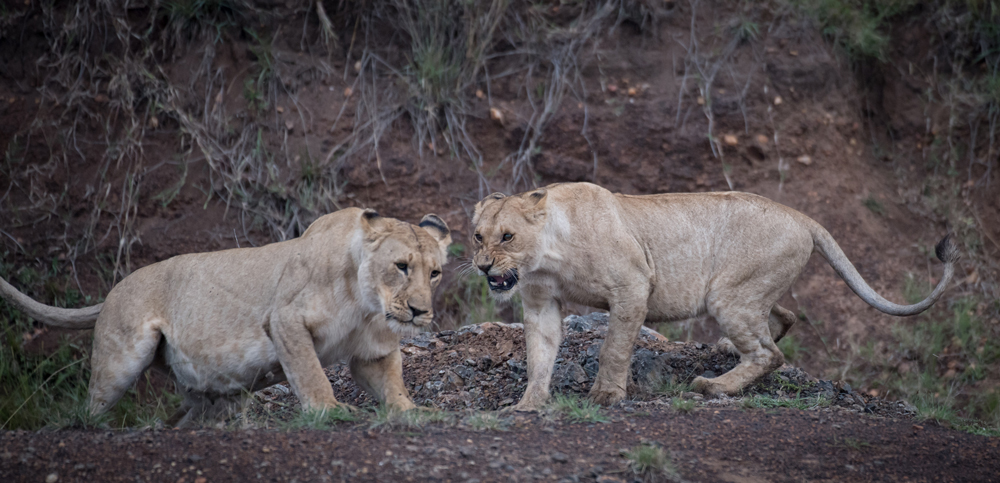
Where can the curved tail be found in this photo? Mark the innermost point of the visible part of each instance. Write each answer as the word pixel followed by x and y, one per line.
pixel 67 318
pixel 946 251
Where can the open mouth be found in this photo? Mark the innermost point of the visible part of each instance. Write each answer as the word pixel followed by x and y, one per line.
pixel 503 283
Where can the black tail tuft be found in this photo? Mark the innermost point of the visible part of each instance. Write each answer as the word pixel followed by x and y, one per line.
pixel 946 250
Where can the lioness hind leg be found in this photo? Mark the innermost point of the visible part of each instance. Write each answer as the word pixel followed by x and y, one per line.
pixel 779 321
pixel 758 353
pixel 198 409
pixel 383 379
pixel 118 361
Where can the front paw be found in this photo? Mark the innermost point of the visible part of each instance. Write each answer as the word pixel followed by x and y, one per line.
pixel 605 395
pixel 708 387
pixel 529 403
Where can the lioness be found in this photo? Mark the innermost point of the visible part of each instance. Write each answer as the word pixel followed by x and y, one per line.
pixel 659 258
pixel 239 320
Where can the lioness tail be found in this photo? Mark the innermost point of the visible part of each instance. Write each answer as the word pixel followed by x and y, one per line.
pixel 67 318
pixel 946 251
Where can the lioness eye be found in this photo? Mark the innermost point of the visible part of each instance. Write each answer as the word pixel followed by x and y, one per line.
pixel 401 266
pixel 507 236
pixel 435 274
pixel 479 238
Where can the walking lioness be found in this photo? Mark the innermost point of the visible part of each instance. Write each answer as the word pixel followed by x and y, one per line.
pixel 659 258
pixel 239 320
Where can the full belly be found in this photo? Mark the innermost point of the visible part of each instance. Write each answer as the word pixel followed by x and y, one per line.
pixel 222 367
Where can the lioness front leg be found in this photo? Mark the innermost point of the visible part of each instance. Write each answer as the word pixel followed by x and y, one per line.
pixel 542 334
pixel 383 379
pixel 624 324
pixel 759 355
pixel 297 355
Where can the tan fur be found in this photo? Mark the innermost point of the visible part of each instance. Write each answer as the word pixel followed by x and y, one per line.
pixel 658 258
pixel 233 321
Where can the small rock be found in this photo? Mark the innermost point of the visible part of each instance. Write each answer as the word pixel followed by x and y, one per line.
pixel 496 115
pixel 777 100
pixel 348 92
pixel 480 94
pixel 804 159
pixel 762 139
pixel 467 451
pixel 730 140
pixel 52 478
pixel 289 125
pixel 609 479
pixel 559 457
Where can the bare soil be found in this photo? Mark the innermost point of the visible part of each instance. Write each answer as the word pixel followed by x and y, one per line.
pixel 732 445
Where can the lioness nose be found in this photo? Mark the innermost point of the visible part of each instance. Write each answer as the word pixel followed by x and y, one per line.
pixel 417 312
pixel 485 268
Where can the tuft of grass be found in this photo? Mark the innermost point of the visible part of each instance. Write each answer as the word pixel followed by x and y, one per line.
pixel 852 444
pixel 321 418
pixel 874 205
pixel 768 402
pixel 683 405
pixel 388 419
pixel 578 410
pixel 651 462
pixel 487 421
pixel 790 347
pixel 913 290
pixel 670 387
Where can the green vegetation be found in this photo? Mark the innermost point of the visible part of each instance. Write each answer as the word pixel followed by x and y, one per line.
pixel 672 386
pixel 321 419
pixel 577 410
pixel 874 205
pixel 47 386
pixel 791 347
pixel 487 421
pixel 768 402
pixel 683 405
pixel 651 462
pixel 388 419
pixel 942 365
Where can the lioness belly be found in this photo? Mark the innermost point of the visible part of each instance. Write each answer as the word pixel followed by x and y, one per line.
pixel 223 368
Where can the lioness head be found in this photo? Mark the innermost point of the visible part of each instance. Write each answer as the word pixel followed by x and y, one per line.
pixel 507 238
pixel 402 267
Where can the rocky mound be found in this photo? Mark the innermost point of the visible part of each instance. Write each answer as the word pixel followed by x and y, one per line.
pixel 483 367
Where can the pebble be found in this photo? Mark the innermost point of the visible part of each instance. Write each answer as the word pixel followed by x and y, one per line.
pixel 52 478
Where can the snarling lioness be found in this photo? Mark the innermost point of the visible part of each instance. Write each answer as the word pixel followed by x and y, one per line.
pixel 233 321
pixel 659 258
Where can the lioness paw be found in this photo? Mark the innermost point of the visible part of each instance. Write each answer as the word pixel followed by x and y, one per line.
pixel 726 346
pixel 605 397
pixel 707 387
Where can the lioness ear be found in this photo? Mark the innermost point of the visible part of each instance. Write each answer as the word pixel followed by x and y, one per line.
pixel 372 222
pixel 482 204
pixel 439 230
pixel 536 201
